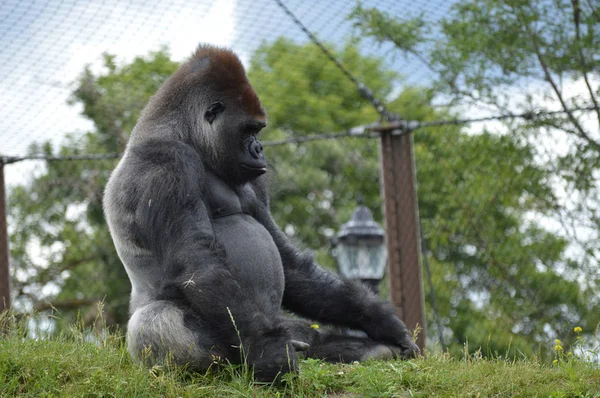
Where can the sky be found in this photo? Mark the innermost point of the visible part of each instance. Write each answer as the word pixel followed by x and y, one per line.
pixel 45 45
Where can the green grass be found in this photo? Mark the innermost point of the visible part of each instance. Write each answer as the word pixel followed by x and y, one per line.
pixel 72 365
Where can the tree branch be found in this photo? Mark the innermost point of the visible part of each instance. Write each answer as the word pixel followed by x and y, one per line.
pixel 428 64
pixel 580 131
pixel 593 10
pixel 451 83
pixel 550 123
pixel 577 21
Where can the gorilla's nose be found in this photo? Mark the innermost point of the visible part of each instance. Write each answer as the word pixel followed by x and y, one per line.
pixel 255 149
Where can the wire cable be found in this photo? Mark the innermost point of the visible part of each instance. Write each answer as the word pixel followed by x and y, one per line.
pixel 365 131
pixel 365 91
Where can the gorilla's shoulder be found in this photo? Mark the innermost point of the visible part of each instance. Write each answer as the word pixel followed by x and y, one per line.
pixel 165 152
pixel 172 165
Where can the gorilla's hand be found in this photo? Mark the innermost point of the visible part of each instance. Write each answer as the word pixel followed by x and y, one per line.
pixel 392 331
pixel 272 355
pixel 408 347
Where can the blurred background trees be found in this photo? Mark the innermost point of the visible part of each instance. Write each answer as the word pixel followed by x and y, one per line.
pixel 508 210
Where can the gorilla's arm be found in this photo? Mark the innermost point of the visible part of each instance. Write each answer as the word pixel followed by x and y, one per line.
pixel 173 221
pixel 316 293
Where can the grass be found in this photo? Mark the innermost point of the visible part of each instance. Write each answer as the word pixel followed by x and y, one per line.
pixel 75 363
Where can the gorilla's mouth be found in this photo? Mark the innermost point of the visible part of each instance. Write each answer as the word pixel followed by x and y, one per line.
pixel 254 169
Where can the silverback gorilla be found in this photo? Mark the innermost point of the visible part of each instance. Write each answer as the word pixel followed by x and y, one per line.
pixel 188 210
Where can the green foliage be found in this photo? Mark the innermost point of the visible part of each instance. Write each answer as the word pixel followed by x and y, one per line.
pixel 495 274
pixel 289 76
pixel 315 186
pixel 486 44
pixel 484 199
pixel 114 99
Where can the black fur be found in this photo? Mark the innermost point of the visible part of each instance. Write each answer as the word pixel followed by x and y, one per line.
pixel 188 210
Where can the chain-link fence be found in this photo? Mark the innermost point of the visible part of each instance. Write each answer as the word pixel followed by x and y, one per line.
pixel 507 190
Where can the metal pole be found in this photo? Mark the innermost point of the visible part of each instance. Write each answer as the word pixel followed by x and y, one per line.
pixel 4 274
pixel 402 228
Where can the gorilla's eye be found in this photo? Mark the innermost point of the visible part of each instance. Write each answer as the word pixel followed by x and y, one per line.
pixel 212 111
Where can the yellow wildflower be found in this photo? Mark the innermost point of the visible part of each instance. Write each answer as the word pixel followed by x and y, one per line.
pixel 314 326
pixel 555 362
pixel 557 342
pixel 558 347
pixel 577 329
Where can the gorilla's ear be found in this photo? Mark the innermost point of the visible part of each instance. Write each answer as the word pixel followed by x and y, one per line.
pixel 212 111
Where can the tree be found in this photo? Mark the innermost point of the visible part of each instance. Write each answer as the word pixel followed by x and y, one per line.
pixel 495 273
pixel 316 185
pixel 517 57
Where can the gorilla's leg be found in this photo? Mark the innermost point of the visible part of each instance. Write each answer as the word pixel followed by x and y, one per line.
pixel 157 331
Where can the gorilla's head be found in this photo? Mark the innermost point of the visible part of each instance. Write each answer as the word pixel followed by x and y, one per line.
pixel 212 105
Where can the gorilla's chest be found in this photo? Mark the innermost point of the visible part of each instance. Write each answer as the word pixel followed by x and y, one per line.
pixel 251 252
pixel 252 257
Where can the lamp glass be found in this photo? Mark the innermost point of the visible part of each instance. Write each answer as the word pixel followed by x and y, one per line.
pixel 363 258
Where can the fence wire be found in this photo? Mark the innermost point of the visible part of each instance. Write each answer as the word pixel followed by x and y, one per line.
pixel 55 190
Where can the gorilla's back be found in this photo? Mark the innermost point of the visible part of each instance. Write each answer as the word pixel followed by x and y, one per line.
pixel 140 263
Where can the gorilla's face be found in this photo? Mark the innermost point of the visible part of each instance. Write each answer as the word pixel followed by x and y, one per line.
pixel 230 115
pixel 240 155
pixel 251 158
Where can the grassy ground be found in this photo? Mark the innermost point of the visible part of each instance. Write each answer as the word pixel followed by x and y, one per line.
pixel 74 365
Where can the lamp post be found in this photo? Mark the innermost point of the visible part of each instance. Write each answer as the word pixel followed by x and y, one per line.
pixel 360 249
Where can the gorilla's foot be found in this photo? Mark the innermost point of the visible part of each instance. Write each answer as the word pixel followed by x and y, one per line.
pixel 378 352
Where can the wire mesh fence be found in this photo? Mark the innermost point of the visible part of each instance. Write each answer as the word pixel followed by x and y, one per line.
pixel 506 194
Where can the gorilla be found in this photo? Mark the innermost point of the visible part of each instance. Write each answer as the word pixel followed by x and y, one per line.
pixel 211 273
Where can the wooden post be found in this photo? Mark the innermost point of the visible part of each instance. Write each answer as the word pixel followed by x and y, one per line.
pixel 4 274
pixel 402 228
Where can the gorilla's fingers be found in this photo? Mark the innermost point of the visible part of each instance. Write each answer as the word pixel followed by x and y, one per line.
pixel 300 345
pixel 410 349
